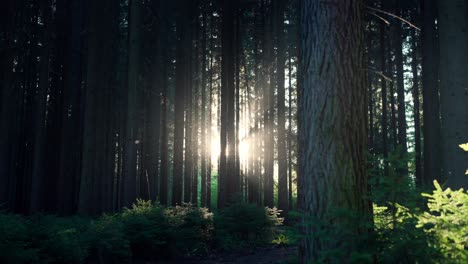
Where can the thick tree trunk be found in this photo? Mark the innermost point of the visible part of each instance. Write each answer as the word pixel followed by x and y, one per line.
pixel 431 107
pixel 97 171
pixel 332 127
pixel 38 169
pixel 134 85
pixel 71 138
pixel 453 36
pixel 229 182
pixel 10 98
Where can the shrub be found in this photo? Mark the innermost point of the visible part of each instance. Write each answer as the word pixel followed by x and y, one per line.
pixel 147 230
pixel 447 221
pixel 191 229
pixel 108 243
pixel 59 239
pixel 243 222
pixel 15 246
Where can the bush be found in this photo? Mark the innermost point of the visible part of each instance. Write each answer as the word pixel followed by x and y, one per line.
pixel 191 229
pixel 447 221
pixel 60 240
pixel 15 246
pixel 147 230
pixel 108 242
pixel 246 223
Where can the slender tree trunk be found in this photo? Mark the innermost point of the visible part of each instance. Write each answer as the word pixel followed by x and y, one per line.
pixel 332 122
pixel 402 141
pixel 383 69
pixel 282 153
pixel 204 118
pixel 416 103
pixel 268 113
pixel 290 133
pixel 183 58
pixel 393 116
pixel 431 106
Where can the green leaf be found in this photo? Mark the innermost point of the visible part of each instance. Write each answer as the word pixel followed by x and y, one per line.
pixel 464 146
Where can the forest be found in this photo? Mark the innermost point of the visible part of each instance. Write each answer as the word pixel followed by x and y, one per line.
pixel 234 131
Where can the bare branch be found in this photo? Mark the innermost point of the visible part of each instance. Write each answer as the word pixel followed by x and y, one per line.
pixel 395 16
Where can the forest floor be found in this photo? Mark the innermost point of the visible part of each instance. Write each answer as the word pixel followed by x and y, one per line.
pixel 263 255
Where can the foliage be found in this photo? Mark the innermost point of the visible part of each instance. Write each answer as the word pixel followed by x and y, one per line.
pixel 447 221
pixel 146 228
pixel 192 228
pixel 242 223
pixel 465 148
pixel 60 240
pixel 145 231
pixel 15 246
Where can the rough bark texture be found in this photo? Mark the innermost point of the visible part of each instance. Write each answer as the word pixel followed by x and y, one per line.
pixel 453 36
pixel 332 124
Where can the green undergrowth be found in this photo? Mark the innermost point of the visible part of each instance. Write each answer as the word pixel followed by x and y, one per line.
pixel 436 232
pixel 144 232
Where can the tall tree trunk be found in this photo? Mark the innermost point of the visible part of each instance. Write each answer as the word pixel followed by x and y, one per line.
pixel 229 183
pixel 453 37
pixel 9 101
pixel 431 106
pixel 416 104
pixel 134 85
pixel 268 113
pixel 383 80
pixel 332 127
pixel 402 141
pixel 282 153
pixel 38 170
pixel 164 171
pixel 97 172
pixel 204 117
pixel 71 138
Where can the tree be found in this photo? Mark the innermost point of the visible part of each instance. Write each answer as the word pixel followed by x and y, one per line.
pixel 282 158
pixel 332 124
pixel 182 62
pixel 453 38
pixel 430 91
pixel 97 161
pixel 229 183
pixel 398 49
pixel 416 104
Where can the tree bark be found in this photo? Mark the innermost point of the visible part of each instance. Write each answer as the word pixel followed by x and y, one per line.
pixel 453 37
pixel 332 127
pixel 282 152
pixel 430 89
